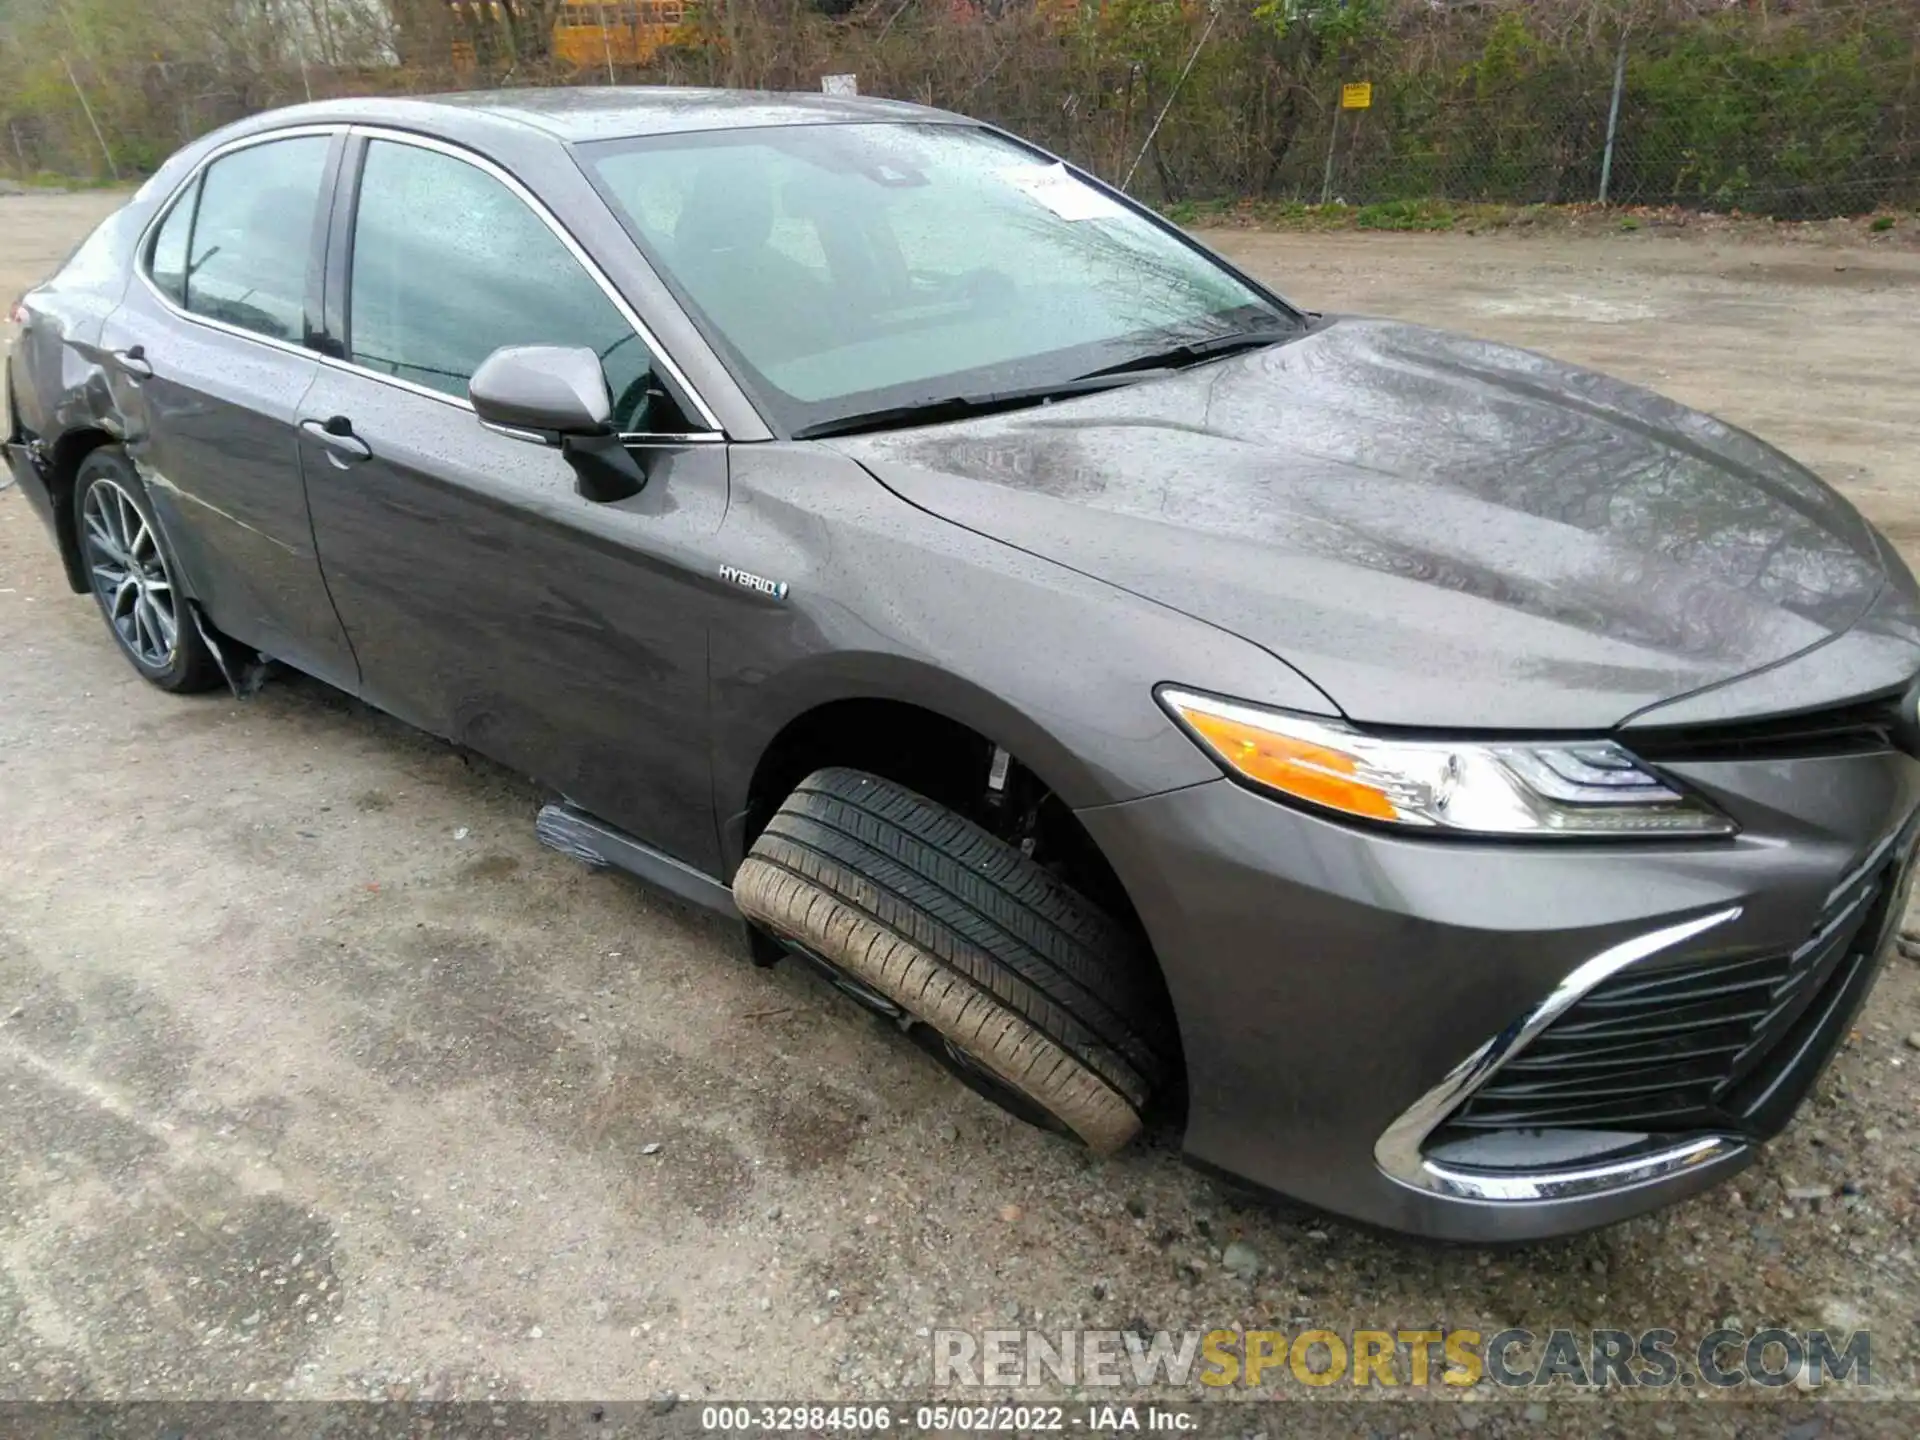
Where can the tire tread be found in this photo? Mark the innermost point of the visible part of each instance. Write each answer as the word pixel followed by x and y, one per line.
pixel 970 935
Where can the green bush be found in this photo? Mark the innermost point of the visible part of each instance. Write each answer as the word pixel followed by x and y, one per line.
pixel 1406 215
pixel 1787 125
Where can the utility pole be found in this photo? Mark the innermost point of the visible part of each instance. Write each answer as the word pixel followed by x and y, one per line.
pixel 1213 16
pixel 1333 140
pixel 73 80
pixel 1613 118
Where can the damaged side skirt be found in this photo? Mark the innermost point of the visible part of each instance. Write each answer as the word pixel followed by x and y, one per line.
pixel 574 832
pixel 244 677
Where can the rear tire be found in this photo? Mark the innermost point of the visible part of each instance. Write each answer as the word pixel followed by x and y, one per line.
pixel 1038 999
pixel 133 577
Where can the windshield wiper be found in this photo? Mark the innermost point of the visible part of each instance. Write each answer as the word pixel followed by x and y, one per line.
pixel 1193 352
pixel 963 407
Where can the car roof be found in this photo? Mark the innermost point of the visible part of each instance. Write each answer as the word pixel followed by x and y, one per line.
pixel 605 112
pixel 596 112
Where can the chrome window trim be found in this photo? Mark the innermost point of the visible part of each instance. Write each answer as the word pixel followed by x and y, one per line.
pixel 143 250
pixel 426 392
pixel 1398 1151
pixel 626 437
pixel 565 237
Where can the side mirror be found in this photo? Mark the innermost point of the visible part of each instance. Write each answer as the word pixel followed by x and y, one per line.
pixel 557 395
pixel 544 392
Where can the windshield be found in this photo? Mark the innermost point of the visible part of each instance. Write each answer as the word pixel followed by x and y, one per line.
pixel 853 269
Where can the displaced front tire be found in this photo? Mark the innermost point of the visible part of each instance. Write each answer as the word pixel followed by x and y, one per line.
pixel 1025 983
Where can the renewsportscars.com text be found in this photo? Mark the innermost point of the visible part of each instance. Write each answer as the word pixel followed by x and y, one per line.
pixel 1655 1358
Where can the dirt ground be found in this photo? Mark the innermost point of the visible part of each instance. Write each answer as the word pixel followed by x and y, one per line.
pixel 320 1078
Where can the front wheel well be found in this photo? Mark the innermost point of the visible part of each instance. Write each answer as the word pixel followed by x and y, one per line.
pixel 953 765
pixel 940 758
pixel 63 473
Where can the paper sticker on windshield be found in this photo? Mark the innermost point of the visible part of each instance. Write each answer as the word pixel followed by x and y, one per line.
pixel 1062 192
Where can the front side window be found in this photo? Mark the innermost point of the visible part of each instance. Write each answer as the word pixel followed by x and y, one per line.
pixel 847 268
pixel 250 237
pixel 449 265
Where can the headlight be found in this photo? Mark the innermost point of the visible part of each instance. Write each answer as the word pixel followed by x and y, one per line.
pixel 1494 787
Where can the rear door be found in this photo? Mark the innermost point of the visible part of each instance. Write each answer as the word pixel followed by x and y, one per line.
pixel 486 599
pixel 209 359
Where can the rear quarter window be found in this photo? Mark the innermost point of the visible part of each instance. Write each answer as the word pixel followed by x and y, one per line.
pixel 167 262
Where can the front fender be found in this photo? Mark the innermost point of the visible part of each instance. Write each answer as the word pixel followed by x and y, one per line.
pixel 885 601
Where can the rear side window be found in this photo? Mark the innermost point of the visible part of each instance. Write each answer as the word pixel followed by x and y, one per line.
pixel 449 265
pixel 250 237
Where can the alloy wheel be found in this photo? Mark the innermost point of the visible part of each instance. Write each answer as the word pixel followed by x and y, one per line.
pixel 130 574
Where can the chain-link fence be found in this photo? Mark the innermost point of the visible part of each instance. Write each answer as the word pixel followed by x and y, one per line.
pixel 1784 107
pixel 1798 112
pixel 1766 106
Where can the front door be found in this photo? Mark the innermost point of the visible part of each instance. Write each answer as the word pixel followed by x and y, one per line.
pixel 487 600
pixel 209 366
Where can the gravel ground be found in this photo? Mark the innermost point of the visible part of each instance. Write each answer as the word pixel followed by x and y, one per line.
pixel 320 1078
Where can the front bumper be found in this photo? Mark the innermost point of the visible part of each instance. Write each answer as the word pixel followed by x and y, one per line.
pixel 1341 992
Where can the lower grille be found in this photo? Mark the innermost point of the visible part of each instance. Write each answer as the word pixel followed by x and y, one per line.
pixel 1694 1046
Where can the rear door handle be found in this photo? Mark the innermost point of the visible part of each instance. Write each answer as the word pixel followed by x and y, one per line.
pixel 336 435
pixel 133 360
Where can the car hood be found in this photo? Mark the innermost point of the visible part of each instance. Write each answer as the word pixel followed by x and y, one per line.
pixel 1437 531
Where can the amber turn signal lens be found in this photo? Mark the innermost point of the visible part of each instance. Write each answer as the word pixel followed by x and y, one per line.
pixel 1313 773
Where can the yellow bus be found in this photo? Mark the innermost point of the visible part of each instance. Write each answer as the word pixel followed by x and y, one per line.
pixel 593 34
pixel 617 32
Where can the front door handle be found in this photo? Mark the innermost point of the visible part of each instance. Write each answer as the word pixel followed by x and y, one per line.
pixel 133 360
pixel 336 435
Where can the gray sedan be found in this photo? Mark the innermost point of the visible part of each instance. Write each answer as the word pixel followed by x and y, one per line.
pixel 1458 791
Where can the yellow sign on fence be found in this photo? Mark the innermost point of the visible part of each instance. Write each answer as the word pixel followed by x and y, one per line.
pixel 1357 97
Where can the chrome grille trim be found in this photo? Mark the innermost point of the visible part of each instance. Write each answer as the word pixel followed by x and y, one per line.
pixel 1398 1151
